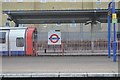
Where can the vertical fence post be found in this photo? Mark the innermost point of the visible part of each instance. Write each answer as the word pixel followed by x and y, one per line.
pixel 109 35
pixel 62 48
pixel 92 38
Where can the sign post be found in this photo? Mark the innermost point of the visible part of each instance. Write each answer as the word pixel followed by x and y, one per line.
pixel 114 17
pixel 109 29
pixel 114 21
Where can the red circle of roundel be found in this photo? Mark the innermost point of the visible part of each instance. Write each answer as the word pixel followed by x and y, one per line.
pixel 57 38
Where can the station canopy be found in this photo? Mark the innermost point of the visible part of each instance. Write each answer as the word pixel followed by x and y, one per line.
pixel 58 16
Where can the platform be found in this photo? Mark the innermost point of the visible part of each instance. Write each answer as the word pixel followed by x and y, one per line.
pixel 59 66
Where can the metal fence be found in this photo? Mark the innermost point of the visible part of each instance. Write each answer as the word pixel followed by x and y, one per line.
pixel 76 42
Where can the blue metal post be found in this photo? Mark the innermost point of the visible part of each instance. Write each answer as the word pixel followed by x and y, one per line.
pixel 114 25
pixel 109 30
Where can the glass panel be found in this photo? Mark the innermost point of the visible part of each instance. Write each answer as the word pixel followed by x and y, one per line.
pixel 35 36
pixel 19 42
pixel 2 37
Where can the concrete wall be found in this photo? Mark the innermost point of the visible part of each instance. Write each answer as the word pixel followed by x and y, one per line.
pixel 103 5
pixel 16 6
pixel 57 5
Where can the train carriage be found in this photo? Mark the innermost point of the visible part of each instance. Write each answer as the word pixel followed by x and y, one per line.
pixel 18 41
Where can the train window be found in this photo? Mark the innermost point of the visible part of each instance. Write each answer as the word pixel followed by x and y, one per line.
pixel 19 42
pixel 34 36
pixel 2 37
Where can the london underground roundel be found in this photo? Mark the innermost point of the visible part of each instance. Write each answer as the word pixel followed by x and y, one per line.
pixel 54 38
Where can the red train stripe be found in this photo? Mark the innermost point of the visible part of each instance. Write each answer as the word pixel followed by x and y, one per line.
pixel 29 41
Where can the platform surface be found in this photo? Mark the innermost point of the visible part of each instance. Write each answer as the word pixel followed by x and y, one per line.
pixel 66 65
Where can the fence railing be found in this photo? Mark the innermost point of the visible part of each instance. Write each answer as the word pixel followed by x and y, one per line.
pixel 82 46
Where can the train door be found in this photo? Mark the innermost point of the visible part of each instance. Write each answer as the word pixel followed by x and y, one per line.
pixel 17 42
pixel 4 44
